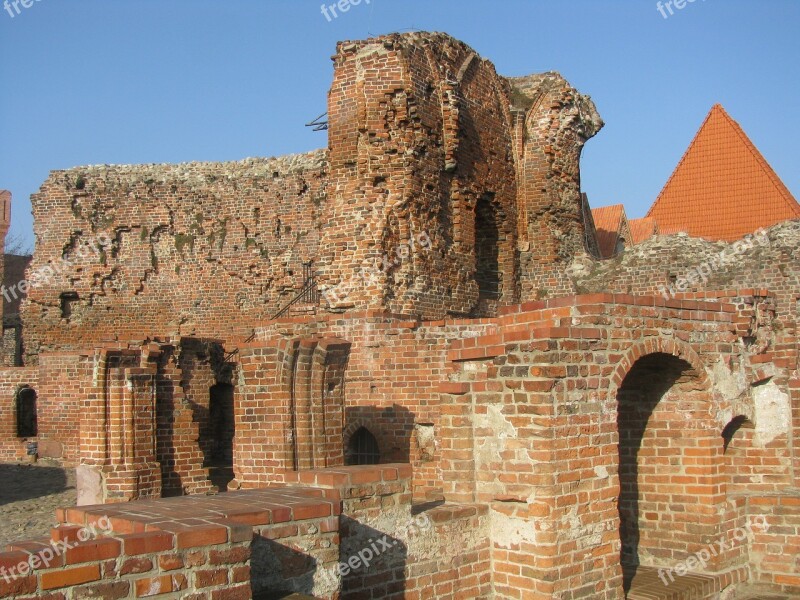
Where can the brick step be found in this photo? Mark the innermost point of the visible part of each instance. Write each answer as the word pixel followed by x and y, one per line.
pixel 647 584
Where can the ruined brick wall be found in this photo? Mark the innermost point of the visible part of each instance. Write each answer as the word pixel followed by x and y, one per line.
pixel 445 189
pixel 553 122
pixel 419 135
pixel 539 423
pixel 64 384
pixel 203 249
pixel 668 266
pixel 391 382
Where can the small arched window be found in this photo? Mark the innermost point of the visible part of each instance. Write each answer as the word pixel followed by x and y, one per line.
pixel 26 413
pixel 362 449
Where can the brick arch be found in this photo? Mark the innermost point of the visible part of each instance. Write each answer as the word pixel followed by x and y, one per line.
pixel 664 424
pixel 371 427
pixel 676 348
pixel 287 354
pixel 354 426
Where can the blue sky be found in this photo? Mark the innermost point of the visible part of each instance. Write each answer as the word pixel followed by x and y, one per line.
pixel 143 81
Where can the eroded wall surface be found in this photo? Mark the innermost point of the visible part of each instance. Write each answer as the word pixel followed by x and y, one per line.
pixel 163 251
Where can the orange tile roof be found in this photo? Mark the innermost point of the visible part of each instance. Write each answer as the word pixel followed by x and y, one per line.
pixel 722 189
pixel 642 229
pixel 608 221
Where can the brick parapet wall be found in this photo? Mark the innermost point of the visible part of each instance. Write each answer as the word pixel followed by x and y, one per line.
pixel 335 533
pixel 198 547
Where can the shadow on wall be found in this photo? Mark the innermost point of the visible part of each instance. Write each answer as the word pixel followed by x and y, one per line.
pixel 171 484
pixel 376 559
pixel 24 482
pixel 391 428
pixel 369 562
pixel 649 414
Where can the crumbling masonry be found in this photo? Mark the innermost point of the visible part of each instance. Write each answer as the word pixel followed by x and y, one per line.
pixel 442 333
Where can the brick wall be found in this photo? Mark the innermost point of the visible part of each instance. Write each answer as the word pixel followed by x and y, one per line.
pixel 392 551
pixel 553 123
pixel 532 418
pixel 227 547
pixel 213 249
pixel 336 533
pixel 393 368
pixel 775 550
pixel 203 249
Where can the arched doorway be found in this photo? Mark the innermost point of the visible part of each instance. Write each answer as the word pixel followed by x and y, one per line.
pixel 669 454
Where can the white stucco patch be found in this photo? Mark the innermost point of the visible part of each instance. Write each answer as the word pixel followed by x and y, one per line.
pixel 772 413
pixel 508 531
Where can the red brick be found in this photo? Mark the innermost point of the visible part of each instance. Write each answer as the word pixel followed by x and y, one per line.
pixel 69 576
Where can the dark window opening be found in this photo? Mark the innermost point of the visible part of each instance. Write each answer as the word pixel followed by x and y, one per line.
pixel 487 250
pixel 363 449
pixel 217 436
pixel 27 425
pixel 221 424
pixel 68 302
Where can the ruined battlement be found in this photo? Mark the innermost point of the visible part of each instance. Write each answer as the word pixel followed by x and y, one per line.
pixel 446 189
pixel 112 178
pixel 176 246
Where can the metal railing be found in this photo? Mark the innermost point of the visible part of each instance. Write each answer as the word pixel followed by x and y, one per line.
pixel 308 294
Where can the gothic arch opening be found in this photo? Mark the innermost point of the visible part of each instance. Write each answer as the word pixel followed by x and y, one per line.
pixel 27 422
pixel 668 464
pixel 362 449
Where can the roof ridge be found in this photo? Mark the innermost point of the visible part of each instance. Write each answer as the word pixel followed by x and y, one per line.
pixel 781 188
pixel 683 158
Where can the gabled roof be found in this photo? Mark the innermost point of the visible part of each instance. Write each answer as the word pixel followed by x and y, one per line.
pixel 722 189
pixel 610 222
pixel 642 229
